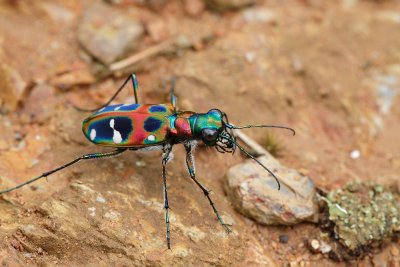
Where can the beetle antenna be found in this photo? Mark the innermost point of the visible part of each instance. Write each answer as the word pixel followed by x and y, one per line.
pixel 230 126
pixel 256 160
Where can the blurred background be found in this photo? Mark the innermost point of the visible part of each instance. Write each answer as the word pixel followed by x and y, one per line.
pixel 328 69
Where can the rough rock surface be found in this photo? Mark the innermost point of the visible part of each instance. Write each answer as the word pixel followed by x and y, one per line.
pixel 123 223
pixel 253 192
pixel 363 213
pixel 107 34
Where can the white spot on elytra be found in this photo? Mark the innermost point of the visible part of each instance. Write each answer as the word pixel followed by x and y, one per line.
pixel 117 138
pixel 92 134
pixel 151 138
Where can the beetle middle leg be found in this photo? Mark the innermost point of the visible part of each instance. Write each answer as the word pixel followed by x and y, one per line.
pixel 165 158
pixel 191 169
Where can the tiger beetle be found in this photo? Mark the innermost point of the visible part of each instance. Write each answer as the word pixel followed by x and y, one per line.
pixel 141 127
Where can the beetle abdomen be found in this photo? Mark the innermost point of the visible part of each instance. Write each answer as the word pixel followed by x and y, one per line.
pixel 128 125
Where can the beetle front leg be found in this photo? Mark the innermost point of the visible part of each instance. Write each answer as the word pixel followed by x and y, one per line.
pixel 191 169
pixel 165 158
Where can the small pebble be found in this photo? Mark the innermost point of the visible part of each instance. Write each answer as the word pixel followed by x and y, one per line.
pixel 34 162
pixel 325 248
pixel 298 65
pixel 112 215
pixel 140 163
pixel 283 239
pixel 355 154
pixel 40 250
pixel 100 199
pixel 29 255
pixel 250 57
pixel 315 244
pixel 183 42
pixel 92 211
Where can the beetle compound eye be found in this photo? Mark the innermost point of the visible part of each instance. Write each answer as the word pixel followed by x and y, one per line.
pixel 209 135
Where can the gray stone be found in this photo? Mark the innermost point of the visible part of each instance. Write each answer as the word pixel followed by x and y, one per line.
pixel 254 193
pixel 108 34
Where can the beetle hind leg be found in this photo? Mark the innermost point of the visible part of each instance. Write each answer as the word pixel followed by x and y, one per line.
pixel 83 157
pixel 172 92
pixel 191 170
pixel 135 86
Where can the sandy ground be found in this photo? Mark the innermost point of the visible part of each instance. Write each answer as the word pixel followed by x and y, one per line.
pixel 329 69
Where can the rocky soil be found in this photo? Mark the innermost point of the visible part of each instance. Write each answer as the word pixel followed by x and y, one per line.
pixel 329 69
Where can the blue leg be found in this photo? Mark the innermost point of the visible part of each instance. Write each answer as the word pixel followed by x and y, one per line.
pixel 166 156
pixel 84 157
pixel 172 92
pixel 191 170
pixel 131 77
pixel 135 87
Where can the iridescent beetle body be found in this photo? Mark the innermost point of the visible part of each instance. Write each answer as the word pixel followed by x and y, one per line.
pixel 137 126
pixel 142 126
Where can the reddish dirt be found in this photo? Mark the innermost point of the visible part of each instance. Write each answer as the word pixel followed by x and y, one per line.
pixel 316 67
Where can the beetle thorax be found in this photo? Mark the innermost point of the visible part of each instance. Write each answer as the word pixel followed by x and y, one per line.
pixel 182 128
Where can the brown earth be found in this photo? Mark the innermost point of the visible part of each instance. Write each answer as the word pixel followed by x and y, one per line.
pixel 329 69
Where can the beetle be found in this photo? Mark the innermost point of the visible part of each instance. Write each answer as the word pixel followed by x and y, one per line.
pixel 158 126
